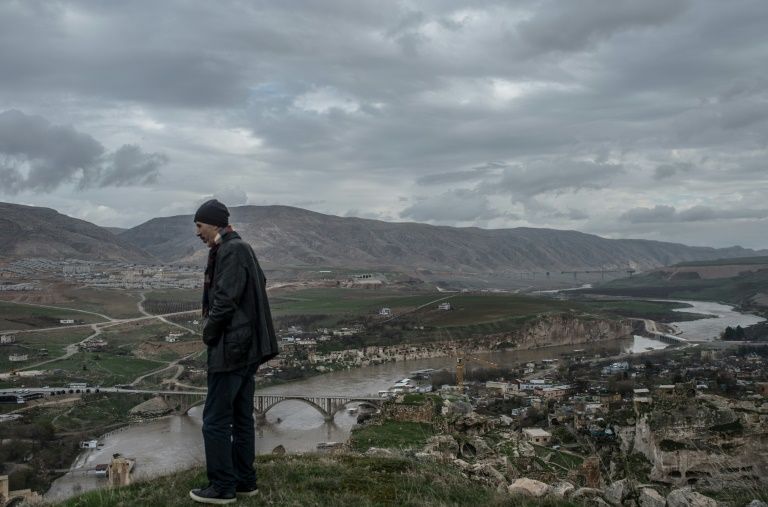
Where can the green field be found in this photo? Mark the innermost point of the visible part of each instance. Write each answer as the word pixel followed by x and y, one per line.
pixel 91 413
pixel 340 303
pixel 655 310
pixel 478 309
pixel 102 368
pixel 132 333
pixel 115 303
pixel 469 309
pixel 20 316
pixel 391 434
pixel 738 290
pixel 184 295
pixel 739 261
pixel 30 343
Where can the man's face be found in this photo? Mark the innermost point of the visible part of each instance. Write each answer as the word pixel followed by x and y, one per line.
pixel 207 233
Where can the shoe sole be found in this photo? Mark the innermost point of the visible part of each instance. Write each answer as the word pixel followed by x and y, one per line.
pixel 247 493
pixel 212 501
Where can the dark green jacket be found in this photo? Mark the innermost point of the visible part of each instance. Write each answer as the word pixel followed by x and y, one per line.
pixel 239 330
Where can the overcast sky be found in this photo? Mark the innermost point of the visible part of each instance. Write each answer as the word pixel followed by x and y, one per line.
pixel 623 118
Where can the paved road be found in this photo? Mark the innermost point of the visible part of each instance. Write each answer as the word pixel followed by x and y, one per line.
pixel 59 308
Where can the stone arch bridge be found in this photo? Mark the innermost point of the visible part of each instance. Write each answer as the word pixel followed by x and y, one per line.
pixel 328 406
pixel 182 401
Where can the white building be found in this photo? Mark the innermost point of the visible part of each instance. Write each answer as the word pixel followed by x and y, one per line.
pixel 445 306
pixel 18 358
pixel 173 337
pixel 385 312
pixel 89 444
pixel 537 436
pixel 66 321
pixel 502 387
pixel 7 339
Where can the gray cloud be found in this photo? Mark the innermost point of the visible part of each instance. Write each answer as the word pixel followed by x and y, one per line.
pixel 455 206
pixel 39 156
pixel 666 171
pixel 232 196
pixel 552 175
pixel 669 214
pixel 473 174
pixel 572 26
pixel 587 109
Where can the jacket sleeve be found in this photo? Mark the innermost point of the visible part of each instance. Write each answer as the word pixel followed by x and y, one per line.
pixel 230 278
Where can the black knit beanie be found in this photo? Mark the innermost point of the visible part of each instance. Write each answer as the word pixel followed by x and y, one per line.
pixel 214 213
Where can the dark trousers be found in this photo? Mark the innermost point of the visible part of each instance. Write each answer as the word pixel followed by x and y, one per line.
pixel 228 431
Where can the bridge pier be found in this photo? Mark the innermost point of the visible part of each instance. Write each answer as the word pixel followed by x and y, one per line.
pixel 260 418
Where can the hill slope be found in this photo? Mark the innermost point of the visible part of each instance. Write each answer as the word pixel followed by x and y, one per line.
pixel 340 480
pixel 286 236
pixel 28 231
pixel 740 281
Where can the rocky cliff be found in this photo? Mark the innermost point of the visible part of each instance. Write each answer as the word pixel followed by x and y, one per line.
pixel 544 331
pixel 700 440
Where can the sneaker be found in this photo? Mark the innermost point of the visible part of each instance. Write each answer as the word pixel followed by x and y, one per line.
pixel 247 490
pixel 212 496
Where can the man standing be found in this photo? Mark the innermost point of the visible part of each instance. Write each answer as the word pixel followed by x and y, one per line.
pixel 239 334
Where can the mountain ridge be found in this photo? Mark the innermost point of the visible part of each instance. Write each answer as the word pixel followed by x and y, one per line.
pixel 31 231
pixel 288 236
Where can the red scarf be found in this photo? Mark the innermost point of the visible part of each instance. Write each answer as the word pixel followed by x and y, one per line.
pixel 210 270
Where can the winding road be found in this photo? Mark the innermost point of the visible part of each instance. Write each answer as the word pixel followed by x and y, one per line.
pixel 98 328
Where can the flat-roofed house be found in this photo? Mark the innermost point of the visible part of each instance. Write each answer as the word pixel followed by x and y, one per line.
pixel 537 436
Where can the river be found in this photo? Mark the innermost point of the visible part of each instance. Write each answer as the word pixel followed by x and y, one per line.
pixel 175 442
pixel 720 317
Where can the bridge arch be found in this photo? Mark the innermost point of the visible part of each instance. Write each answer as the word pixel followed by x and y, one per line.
pixel 361 401
pixel 328 406
pixel 311 403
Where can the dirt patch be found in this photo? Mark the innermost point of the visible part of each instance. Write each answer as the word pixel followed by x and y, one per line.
pixel 154 350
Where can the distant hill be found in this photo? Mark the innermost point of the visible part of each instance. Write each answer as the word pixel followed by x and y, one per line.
pixel 28 231
pixel 286 236
pixel 742 281
pixel 115 230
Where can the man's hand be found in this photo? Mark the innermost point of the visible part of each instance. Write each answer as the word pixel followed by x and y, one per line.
pixel 210 334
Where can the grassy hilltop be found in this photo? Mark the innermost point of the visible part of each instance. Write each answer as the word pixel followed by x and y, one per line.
pixel 339 480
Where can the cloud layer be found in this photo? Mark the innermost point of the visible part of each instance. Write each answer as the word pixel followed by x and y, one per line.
pixel 623 118
pixel 40 157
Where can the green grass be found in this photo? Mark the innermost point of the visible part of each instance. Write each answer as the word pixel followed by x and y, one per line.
pixel 19 316
pixel 392 435
pixel 320 481
pixel 31 343
pixel 735 290
pixel 344 301
pixel 137 332
pixel 563 459
pixel 655 310
pixel 116 303
pixel 96 411
pixel 477 309
pixel 739 261
pixel 181 295
pixel 103 368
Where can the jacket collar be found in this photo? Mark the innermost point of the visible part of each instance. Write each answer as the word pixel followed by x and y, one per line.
pixel 228 236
